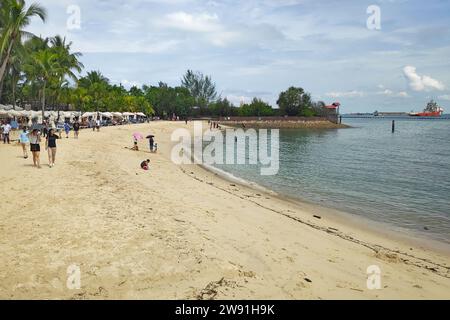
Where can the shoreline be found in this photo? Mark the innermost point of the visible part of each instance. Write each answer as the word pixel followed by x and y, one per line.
pixel 284 124
pixel 176 232
pixel 406 236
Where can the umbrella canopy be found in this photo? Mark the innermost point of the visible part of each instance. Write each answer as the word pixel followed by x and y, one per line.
pixel 107 114
pixel 140 114
pixel 117 114
pixel 14 113
pixel 138 136
pixel 126 114
pixel 150 136
pixel 88 114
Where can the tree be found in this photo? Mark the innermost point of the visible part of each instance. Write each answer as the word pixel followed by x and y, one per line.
pixel 43 67
pixel 256 108
pixel 295 102
pixel 223 108
pixel 15 17
pixel 201 87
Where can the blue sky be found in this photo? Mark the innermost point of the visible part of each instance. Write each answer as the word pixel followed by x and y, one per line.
pixel 261 47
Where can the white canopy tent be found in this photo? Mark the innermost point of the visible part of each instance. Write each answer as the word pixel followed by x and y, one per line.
pixel 108 115
pixel 88 114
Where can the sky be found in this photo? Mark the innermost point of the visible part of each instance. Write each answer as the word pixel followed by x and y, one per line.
pixel 337 50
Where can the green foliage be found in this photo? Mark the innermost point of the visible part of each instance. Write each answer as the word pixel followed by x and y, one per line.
pixel 256 108
pixel 295 102
pixel 201 87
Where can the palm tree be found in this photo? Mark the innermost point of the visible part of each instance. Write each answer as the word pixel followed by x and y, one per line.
pixel 68 60
pixel 14 17
pixel 15 66
pixel 91 78
pixel 43 67
pixel 68 63
pixel 98 87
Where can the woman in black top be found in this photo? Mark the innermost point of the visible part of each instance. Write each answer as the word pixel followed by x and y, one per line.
pixel 76 128
pixel 50 146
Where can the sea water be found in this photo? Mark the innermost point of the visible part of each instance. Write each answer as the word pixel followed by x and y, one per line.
pixel 400 179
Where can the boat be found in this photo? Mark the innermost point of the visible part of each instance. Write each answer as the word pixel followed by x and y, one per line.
pixel 432 110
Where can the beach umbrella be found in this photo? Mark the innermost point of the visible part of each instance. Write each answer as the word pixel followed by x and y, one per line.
pixel 14 113
pixel 138 136
pixel 150 136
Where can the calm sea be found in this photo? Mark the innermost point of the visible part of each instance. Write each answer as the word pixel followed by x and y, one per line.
pixel 400 179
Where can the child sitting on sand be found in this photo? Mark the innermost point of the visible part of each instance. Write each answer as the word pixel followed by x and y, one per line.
pixel 135 147
pixel 145 164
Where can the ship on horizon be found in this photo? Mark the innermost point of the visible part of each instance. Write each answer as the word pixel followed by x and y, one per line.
pixel 432 110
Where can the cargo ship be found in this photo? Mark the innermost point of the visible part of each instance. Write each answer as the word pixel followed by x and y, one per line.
pixel 432 110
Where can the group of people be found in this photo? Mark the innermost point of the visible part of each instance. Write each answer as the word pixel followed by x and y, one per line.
pixel 34 138
pixel 152 144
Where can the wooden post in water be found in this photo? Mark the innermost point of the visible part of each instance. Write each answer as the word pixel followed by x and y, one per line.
pixel 393 126
pixel 340 119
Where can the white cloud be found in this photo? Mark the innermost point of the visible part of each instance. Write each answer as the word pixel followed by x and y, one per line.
pixel 348 94
pixel 390 93
pixel 181 20
pixel 238 100
pixel 421 83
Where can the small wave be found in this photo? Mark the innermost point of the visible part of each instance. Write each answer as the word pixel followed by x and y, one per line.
pixel 227 175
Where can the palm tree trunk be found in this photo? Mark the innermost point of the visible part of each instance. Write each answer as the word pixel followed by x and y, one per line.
pixel 1 89
pixel 43 102
pixel 5 61
pixel 14 94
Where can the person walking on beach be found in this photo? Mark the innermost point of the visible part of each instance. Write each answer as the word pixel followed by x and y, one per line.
pixel 24 141
pixel 76 129
pixel 67 129
pixel 98 124
pixel 45 128
pixel 151 142
pixel 35 147
pixel 50 146
pixel 6 130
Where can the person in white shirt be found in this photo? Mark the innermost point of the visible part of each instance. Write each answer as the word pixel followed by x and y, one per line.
pixel 6 130
pixel 35 140
pixel 98 124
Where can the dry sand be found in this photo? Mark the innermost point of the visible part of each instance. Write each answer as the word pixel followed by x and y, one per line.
pixel 182 233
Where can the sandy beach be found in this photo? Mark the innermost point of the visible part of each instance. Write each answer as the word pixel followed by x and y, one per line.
pixel 181 232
